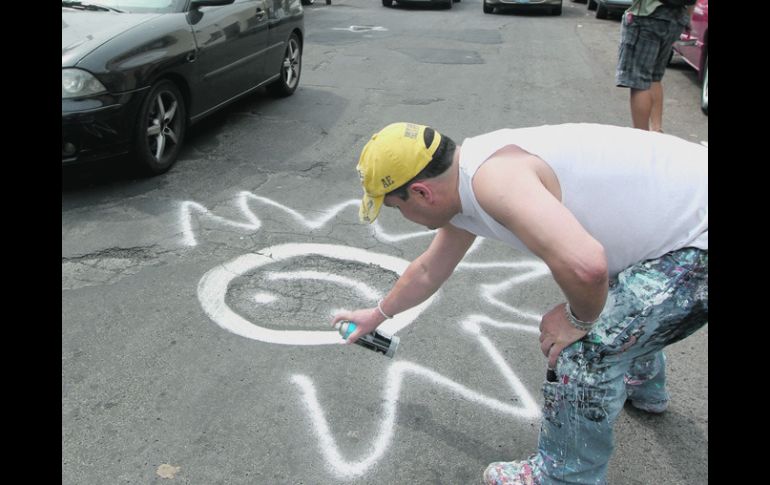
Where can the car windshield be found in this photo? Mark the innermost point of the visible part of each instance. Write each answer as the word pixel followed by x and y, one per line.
pixel 131 6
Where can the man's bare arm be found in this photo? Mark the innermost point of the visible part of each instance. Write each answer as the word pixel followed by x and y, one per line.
pixel 509 189
pixel 430 270
pixel 421 279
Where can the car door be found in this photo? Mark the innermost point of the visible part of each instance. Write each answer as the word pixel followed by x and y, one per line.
pixel 282 19
pixel 231 43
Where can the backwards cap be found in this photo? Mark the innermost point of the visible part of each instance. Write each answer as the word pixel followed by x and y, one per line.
pixel 393 156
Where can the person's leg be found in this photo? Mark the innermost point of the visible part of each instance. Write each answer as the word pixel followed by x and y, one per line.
pixel 641 108
pixel 637 52
pixel 646 383
pixel 650 305
pixel 576 434
pixel 668 33
pixel 656 107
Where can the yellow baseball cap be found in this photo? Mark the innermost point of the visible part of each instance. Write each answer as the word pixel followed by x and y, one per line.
pixel 390 159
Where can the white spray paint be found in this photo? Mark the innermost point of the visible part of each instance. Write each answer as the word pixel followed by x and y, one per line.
pixel 362 28
pixel 263 298
pixel 252 222
pixel 212 290
pixel 187 209
pixel 535 269
pixel 397 373
pixel 213 287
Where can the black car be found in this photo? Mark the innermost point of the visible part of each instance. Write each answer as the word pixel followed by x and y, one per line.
pixel 137 73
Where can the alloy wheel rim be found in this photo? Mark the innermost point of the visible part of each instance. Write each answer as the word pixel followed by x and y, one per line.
pixel 162 125
pixel 291 64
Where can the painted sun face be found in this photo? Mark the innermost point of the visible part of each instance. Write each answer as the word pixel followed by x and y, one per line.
pixel 215 286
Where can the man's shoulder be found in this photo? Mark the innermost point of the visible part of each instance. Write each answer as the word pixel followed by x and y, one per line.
pixel 508 165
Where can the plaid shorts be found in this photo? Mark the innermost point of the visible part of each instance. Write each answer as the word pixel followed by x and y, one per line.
pixel 645 46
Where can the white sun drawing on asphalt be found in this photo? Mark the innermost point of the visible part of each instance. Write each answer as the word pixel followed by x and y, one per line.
pixel 216 284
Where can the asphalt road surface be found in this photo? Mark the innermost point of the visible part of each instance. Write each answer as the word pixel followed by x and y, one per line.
pixel 195 305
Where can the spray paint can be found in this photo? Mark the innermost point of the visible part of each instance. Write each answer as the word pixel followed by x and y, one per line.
pixel 550 375
pixel 376 341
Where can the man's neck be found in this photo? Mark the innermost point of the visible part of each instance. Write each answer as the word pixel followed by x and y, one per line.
pixel 453 183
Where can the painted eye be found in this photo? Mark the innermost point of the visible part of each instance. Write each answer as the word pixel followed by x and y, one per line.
pixel 263 298
pixel 287 294
pixel 304 289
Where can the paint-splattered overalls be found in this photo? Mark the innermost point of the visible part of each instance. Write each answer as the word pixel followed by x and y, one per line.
pixel 650 305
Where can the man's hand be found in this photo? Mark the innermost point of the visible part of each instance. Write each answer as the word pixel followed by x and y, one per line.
pixel 556 334
pixel 366 321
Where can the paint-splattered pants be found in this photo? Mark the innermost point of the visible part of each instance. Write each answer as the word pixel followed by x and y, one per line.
pixel 650 305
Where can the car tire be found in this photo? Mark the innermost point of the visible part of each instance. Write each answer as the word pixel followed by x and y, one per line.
pixel 160 128
pixel 291 68
pixel 601 11
pixel 307 2
pixel 556 10
pixel 592 5
pixel 448 4
pixel 704 93
pixel 488 8
pixel 387 3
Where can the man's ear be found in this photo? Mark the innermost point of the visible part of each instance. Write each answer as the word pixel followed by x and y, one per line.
pixel 422 189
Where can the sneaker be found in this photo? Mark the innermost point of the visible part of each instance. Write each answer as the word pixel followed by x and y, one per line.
pixel 511 473
pixel 656 407
pixel 643 399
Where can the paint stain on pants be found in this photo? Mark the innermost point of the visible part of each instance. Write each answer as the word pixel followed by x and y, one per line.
pixel 650 305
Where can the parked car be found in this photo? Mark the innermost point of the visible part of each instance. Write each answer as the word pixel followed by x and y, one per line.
pixel 136 74
pixel 445 3
pixel 693 46
pixel 605 7
pixel 555 5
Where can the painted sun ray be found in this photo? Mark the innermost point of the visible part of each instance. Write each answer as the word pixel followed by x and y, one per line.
pixel 529 271
pixel 396 375
pixel 190 209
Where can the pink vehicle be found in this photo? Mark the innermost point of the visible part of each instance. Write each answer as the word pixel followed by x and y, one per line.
pixel 693 46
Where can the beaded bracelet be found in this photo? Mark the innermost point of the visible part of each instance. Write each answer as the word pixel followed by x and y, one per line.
pixel 576 322
pixel 382 312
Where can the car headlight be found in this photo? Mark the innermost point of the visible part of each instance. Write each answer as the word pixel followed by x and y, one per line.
pixel 76 83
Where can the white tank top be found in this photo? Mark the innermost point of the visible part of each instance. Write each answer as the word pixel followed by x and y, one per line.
pixel 640 194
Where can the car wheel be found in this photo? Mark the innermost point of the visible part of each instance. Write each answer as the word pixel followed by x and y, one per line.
pixel 704 94
pixel 291 68
pixel 307 2
pixel 488 8
pixel 602 12
pixel 387 3
pixel 556 10
pixel 592 4
pixel 160 128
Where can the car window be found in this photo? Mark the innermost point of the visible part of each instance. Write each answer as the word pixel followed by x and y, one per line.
pixel 143 6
